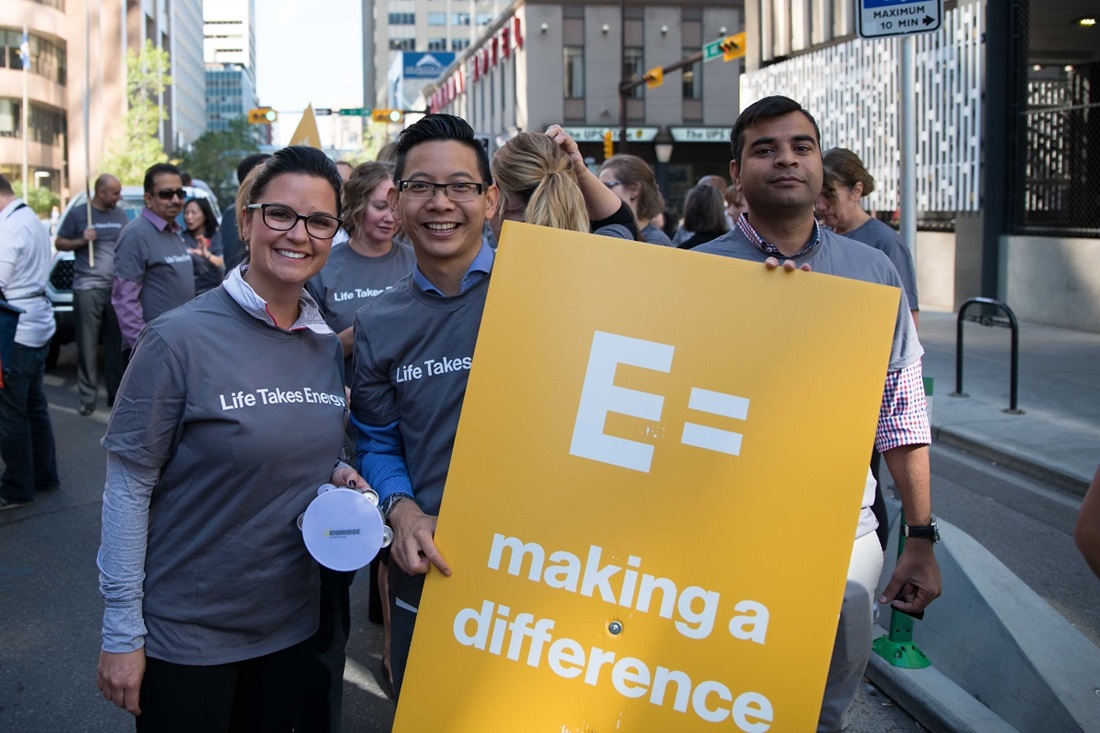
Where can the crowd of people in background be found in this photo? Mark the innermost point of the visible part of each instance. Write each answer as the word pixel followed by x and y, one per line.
pixel 325 275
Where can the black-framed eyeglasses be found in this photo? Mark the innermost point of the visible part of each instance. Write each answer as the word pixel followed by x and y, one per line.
pixel 167 194
pixel 457 191
pixel 283 219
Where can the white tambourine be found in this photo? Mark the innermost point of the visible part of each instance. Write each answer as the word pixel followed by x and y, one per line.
pixel 343 529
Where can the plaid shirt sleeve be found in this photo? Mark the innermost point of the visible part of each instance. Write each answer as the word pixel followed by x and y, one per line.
pixel 903 415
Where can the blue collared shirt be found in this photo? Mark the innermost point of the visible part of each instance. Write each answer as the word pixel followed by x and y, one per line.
pixel 479 269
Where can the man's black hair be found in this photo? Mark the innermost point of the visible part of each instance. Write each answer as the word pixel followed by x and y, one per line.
pixel 766 108
pixel 441 127
pixel 297 159
pixel 248 163
pixel 158 169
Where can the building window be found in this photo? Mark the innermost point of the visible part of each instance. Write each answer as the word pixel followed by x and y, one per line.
pixel 437 19
pixel 573 71
pixel 460 19
pixel 633 68
pixel 459 44
pixel 402 18
pixel 402 44
pixel 484 18
pixel 692 77
pixel 47 59
pixel 437 44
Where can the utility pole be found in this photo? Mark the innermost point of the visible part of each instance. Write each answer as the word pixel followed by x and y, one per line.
pixel 623 90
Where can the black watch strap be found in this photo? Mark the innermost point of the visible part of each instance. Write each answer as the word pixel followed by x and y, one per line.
pixel 929 531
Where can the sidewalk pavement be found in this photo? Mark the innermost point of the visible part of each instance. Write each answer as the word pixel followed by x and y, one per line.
pixel 1057 437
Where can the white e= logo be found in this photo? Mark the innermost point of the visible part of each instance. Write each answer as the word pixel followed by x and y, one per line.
pixel 600 396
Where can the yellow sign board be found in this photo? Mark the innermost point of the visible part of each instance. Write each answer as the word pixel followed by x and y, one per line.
pixel 653 493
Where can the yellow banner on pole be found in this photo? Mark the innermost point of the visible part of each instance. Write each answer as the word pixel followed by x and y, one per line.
pixel 306 132
pixel 653 493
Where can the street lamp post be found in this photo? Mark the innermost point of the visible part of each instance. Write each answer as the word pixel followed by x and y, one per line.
pixel 663 151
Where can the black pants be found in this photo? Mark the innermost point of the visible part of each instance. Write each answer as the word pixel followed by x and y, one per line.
pixel 323 698
pixel 258 695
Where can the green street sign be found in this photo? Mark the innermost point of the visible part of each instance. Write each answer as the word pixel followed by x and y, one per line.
pixel 712 50
pixel 358 111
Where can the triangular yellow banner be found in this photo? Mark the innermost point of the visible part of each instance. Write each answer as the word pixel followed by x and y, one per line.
pixel 306 132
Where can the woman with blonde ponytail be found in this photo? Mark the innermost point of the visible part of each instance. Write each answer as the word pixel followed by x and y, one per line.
pixel 543 180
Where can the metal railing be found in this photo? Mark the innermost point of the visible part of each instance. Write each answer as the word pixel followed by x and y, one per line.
pixel 1008 321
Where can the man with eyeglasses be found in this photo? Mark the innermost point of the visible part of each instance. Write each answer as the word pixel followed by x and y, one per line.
pixel 413 347
pixel 153 270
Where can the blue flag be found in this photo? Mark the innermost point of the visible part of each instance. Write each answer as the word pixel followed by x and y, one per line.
pixel 25 51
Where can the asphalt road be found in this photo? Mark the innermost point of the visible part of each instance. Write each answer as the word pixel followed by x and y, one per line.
pixel 50 606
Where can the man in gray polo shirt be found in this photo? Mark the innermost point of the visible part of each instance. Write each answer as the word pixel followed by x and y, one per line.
pixel 153 271
pixel 92 287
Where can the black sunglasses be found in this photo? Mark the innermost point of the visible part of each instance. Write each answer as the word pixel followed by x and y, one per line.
pixel 168 193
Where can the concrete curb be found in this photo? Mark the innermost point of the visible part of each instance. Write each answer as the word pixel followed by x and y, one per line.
pixel 933 699
pixel 1033 468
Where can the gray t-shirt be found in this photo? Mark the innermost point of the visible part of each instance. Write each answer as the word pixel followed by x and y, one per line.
pixel 241 453
pixel 652 235
pixel 417 374
pixel 349 280
pixel 882 237
pixel 108 225
pixel 837 255
pixel 159 261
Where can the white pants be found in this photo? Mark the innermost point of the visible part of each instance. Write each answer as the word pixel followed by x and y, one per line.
pixel 852 648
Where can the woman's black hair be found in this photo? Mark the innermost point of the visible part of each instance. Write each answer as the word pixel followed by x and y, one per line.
pixel 210 224
pixel 299 159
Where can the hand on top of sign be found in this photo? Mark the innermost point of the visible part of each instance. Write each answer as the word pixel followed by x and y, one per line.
pixel 789 265
pixel 413 547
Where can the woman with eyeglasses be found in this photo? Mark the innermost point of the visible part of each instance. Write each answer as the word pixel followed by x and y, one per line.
pixel 632 180
pixel 204 244
pixel 543 180
pixel 230 416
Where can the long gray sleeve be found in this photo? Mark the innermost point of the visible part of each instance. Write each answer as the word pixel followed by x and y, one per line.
pixel 121 558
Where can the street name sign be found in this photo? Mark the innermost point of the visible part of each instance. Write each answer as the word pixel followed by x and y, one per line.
pixel 878 18
pixel 355 112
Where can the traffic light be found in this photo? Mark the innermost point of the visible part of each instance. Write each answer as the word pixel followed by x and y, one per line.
pixel 386 115
pixel 733 47
pixel 608 145
pixel 654 77
pixel 262 116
